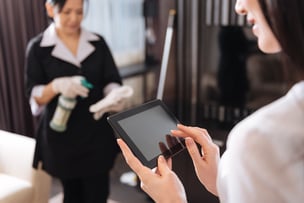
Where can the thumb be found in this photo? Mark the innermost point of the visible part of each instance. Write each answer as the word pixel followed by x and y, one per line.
pixel 94 108
pixel 103 103
pixel 98 115
pixel 162 166
pixel 97 106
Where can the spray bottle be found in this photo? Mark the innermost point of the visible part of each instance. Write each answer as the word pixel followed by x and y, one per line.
pixel 64 108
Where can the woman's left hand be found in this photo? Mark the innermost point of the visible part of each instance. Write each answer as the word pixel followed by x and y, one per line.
pixel 162 185
pixel 115 100
pixel 206 159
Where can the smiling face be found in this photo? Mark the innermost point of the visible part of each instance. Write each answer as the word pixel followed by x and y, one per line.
pixel 267 42
pixel 68 19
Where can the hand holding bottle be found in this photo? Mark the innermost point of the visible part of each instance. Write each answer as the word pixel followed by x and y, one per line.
pixel 70 87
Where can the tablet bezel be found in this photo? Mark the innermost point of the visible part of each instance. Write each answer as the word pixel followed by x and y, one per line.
pixel 120 133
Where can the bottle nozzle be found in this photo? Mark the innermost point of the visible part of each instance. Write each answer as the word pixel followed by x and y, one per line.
pixel 86 84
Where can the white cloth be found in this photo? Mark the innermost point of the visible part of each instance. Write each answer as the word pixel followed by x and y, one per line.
pixel 114 101
pixel 264 160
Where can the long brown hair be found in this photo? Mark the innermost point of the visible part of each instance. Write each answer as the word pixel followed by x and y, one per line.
pixel 286 19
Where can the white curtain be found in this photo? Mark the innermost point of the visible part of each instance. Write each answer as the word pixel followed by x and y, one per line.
pixel 122 24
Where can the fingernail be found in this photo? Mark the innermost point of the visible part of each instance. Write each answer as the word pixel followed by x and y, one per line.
pixel 162 158
pixel 189 141
pixel 181 125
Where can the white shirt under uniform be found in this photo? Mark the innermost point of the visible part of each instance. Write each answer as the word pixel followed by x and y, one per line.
pixel 264 160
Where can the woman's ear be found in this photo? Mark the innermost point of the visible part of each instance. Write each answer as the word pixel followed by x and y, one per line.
pixel 49 9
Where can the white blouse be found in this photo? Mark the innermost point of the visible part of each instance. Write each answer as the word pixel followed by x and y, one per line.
pixel 264 160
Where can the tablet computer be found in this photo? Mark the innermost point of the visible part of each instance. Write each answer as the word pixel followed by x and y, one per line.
pixel 146 130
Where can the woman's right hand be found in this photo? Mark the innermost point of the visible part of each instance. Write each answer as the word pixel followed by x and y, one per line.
pixel 162 184
pixel 205 160
pixel 70 87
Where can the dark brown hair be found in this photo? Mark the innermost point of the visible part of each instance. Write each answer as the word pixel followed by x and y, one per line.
pixel 286 19
pixel 60 3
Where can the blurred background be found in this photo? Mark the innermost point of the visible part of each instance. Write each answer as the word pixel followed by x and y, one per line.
pixel 216 75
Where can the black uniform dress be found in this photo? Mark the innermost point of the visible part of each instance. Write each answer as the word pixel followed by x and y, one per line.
pixel 87 147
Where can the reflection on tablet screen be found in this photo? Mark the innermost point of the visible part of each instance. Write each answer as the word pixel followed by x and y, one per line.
pixel 150 132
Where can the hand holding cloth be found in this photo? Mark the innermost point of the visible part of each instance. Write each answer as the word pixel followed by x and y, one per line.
pixel 115 101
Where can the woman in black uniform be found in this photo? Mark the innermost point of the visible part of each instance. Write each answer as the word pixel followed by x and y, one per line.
pixel 81 156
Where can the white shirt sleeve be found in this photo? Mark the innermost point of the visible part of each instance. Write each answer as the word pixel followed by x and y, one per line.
pixel 246 174
pixel 264 157
pixel 35 107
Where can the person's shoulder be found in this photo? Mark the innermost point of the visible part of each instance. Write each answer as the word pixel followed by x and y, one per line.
pixel 34 43
pixel 100 37
pixel 257 123
pixel 95 38
pixel 36 39
pixel 277 113
pixel 272 136
pixel 91 35
pixel 101 42
pixel 267 123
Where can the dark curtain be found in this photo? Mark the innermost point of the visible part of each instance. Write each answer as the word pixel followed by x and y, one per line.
pixel 19 21
pixel 189 36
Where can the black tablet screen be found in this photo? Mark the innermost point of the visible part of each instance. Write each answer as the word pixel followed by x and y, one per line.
pixel 148 129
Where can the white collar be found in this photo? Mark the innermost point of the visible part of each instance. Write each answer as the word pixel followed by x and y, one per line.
pixel 85 48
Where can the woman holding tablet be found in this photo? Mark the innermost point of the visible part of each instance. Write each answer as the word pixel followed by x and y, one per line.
pixel 264 160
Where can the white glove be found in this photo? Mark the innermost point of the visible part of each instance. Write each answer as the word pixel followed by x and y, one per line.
pixel 114 101
pixel 70 87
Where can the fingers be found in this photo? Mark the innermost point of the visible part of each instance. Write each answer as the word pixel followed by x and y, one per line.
pixel 108 105
pixel 100 110
pixel 199 135
pixel 132 161
pixel 123 91
pixel 162 166
pixel 193 151
pixel 97 106
pixel 80 90
pixel 70 86
pixel 193 131
pixel 120 93
pixel 98 115
pixel 143 172
pixel 77 87
pixel 203 131
pixel 119 106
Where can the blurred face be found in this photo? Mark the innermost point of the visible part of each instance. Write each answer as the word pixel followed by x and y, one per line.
pixel 68 20
pixel 260 28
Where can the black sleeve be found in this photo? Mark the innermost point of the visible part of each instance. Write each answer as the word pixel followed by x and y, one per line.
pixel 111 73
pixel 34 74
